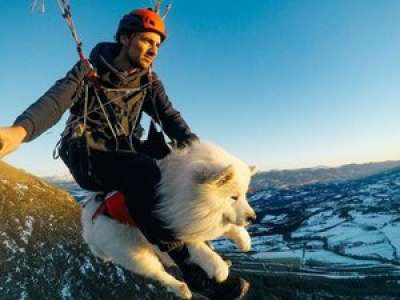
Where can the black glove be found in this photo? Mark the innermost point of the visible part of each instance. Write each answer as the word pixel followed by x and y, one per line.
pixel 189 140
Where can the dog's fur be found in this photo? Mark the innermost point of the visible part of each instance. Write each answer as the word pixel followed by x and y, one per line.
pixel 203 191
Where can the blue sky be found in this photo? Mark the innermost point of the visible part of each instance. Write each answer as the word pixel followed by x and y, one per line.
pixel 282 84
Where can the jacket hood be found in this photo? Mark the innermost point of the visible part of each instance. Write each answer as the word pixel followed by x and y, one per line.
pixel 102 57
pixel 104 51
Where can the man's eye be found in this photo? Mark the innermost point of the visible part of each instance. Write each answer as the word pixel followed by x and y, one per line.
pixel 235 198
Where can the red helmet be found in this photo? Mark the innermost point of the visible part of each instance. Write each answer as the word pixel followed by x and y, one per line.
pixel 141 20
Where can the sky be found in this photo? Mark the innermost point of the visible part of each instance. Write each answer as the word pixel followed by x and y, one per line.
pixel 282 84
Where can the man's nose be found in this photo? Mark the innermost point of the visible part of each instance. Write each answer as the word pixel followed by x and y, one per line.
pixel 152 51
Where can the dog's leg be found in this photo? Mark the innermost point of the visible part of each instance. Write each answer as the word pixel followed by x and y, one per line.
pixel 203 256
pixel 165 259
pixel 240 236
pixel 145 262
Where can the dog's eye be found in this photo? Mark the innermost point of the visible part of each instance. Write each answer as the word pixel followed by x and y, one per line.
pixel 235 198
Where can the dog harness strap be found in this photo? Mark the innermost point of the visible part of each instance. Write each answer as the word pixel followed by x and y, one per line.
pixel 114 206
pixel 99 211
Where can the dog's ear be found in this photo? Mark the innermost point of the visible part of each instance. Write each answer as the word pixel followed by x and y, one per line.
pixel 253 170
pixel 222 176
pixel 218 178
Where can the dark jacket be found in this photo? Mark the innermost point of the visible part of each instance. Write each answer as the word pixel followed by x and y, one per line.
pixel 69 93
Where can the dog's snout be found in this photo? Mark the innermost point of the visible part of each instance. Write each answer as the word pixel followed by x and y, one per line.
pixel 251 218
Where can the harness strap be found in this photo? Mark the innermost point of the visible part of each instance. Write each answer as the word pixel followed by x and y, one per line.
pixel 114 207
pixel 107 119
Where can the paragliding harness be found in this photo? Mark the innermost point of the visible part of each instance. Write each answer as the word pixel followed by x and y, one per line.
pixel 74 148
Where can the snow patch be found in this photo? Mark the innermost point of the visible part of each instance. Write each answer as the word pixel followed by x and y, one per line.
pixel 12 246
pixel 87 266
pixel 22 187
pixel 23 295
pixel 27 232
pixel 66 292
pixel 270 218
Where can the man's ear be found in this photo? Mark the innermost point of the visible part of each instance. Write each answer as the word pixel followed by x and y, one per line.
pixel 217 178
pixel 125 38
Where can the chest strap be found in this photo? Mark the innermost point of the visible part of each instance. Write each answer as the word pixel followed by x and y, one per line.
pixel 114 207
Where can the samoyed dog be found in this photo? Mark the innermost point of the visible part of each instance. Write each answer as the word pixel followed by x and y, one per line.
pixel 203 197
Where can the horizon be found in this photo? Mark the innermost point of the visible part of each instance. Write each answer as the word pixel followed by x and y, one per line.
pixel 288 86
pixel 67 174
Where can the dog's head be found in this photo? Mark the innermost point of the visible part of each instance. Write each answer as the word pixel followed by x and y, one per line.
pixel 203 191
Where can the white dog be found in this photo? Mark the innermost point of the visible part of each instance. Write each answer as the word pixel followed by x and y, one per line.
pixel 203 191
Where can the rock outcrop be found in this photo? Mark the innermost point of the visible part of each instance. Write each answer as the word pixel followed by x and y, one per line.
pixel 42 253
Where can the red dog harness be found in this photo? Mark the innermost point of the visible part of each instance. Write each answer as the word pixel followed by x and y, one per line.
pixel 114 207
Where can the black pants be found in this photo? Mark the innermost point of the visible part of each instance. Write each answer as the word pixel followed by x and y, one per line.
pixel 136 175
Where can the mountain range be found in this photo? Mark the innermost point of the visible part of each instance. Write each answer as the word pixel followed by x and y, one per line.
pixel 298 177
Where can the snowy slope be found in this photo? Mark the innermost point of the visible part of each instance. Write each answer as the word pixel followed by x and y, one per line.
pixel 337 225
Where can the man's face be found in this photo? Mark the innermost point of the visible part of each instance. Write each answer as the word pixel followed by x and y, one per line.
pixel 141 48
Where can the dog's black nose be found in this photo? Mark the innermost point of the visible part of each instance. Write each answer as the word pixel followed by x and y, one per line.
pixel 251 218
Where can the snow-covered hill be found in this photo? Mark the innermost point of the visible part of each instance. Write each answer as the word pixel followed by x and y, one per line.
pixel 346 226
pixel 299 177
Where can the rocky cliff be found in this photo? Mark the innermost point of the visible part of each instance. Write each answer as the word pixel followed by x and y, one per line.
pixel 42 254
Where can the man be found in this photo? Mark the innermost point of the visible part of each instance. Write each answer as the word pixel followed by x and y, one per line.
pixel 101 143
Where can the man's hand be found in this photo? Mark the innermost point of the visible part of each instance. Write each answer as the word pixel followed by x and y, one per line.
pixel 10 139
pixel 192 138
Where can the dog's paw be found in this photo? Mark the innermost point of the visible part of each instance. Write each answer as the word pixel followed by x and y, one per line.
pixel 221 272
pixel 245 244
pixel 184 291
